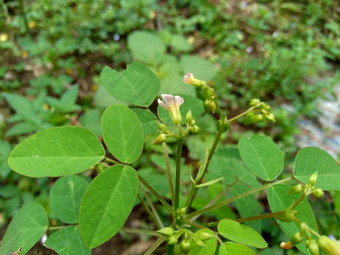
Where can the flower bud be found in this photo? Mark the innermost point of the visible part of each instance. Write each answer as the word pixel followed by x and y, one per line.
pixel 254 102
pixel 313 247
pixel 167 231
pixel 298 188
pixel 173 240
pixel 199 242
pixel 329 246
pixel 203 235
pixel 296 238
pixel 160 139
pixel 313 178
pixel 318 193
pixel 185 246
pixel 162 127
pixel 195 130
pixel 190 79
pixel 269 116
pixel 210 106
pixel 188 117
pixel 287 245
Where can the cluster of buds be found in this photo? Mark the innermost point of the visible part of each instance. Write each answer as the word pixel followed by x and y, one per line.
pixel 183 237
pixel 208 93
pixel 260 112
pixel 309 188
pixel 191 123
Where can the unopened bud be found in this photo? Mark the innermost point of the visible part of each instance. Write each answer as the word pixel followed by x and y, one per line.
pixel 188 117
pixel 160 139
pixel 162 127
pixel 254 101
pixel 185 246
pixel 203 235
pixel 287 245
pixel 167 231
pixel 313 247
pixel 296 238
pixel 328 246
pixel 195 130
pixel 173 240
pixel 199 242
pixel 210 106
pixel 313 178
pixel 269 116
pixel 298 188
pixel 318 193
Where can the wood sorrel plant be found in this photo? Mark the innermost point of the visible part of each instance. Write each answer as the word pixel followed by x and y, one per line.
pixel 92 214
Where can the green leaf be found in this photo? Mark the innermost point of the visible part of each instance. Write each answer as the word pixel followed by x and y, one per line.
pixel 56 152
pixel 106 204
pixel 310 160
pixel 279 199
pixel 136 85
pixel 190 102
pixel 336 198
pixel 122 133
pixel 65 197
pixel 70 96
pixel 25 229
pixel 67 241
pixel 201 68
pixel 263 157
pixel 208 249
pixel 229 248
pixel 147 119
pixel 146 47
pixel 241 233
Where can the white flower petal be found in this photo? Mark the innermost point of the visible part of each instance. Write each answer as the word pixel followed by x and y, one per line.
pixel 168 99
pixel 161 103
pixel 179 100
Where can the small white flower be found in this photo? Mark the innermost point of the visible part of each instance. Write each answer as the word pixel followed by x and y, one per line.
pixel 171 104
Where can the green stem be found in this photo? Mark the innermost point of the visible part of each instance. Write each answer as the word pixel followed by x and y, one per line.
pixel 178 171
pixel 193 190
pixel 243 113
pixel 293 205
pixel 147 209
pixel 24 16
pixel 234 198
pixel 59 227
pixel 141 231
pixel 262 217
pixel 155 213
pixel 155 245
pixel 166 155
pixel 159 197
pixel 112 161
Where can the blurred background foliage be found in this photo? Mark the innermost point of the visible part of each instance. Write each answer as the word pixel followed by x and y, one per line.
pixel 52 52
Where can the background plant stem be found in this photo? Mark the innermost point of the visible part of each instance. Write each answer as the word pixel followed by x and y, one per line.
pixel 178 171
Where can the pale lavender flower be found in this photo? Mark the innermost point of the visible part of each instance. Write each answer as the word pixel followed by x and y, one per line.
pixel 171 104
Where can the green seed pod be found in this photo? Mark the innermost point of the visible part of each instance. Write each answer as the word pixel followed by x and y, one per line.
pixel 318 193
pixel 185 246
pixel 173 240
pixel 296 238
pixel 313 247
pixel 298 188
pixel 269 116
pixel 313 178
pixel 167 231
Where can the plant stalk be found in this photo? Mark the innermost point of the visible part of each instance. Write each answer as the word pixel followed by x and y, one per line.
pixel 159 197
pixel 166 155
pixel 234 198
pixel 178 172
